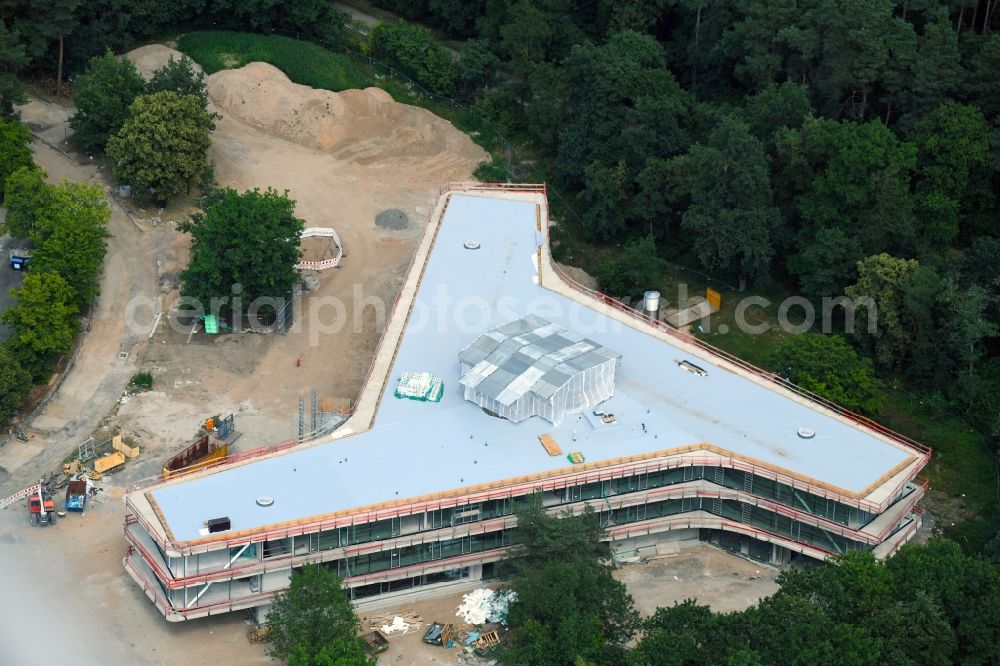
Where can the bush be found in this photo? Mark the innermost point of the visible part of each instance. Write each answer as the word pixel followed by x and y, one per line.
pixel 632 272
pixel 142 380
pixel 161 149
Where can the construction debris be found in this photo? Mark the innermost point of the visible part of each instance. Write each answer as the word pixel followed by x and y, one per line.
pixel 397 625
pixel 483 605
pixel 393 623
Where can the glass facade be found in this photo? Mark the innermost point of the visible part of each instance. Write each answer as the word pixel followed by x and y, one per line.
pixel 728 478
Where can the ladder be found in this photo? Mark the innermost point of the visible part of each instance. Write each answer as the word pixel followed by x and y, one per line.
pixel 20 494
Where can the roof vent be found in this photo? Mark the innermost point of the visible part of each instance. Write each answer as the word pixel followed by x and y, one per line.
pixel 264 500
pixel 218 524
pixel 806 433
pixel 692 368
pixel 471 245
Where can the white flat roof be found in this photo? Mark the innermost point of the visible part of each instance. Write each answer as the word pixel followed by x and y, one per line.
pixel 418 448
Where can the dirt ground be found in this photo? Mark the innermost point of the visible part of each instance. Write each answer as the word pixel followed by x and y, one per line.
pixel 64 585
pixel 345 158
pixel 718 579
pixel 68 600
pixel 714 577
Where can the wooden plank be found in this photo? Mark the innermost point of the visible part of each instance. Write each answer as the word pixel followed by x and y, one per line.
pixel 551 447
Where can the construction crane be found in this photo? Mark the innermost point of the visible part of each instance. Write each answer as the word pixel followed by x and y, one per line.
pixel 41 507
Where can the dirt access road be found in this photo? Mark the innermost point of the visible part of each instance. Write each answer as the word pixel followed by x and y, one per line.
pixel 95 382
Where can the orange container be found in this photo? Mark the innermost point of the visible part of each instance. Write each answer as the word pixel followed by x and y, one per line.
pixel 209 424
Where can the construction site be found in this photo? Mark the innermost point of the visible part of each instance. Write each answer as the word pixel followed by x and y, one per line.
pixel 475 373
pixel 466 414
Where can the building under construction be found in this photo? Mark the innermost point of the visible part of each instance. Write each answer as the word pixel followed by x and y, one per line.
pixel 540 387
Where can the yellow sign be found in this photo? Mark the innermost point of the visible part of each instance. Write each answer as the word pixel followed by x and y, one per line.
pixel 714 298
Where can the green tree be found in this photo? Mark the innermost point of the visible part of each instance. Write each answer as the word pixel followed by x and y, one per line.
pixel 776 107
pixel 829 366
pixel 632 272
pixel 313 623
pixel 12 60
pixel 14 150
pixel 568 608
pixel 417 53
pixel 969 329
pixel 953 145
pixel 827 262
pixel 881 279
pixel 15 383
pixel 731 216
pixel 70 237
pixel 27 195
pixel 161 149
pixel 855 177
pixel 861 41
pixel 104 94
pixel 477 68
pixel 181 76
pixel 44 320
pixel 249 239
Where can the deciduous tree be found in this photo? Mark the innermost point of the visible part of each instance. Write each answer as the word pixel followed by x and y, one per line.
pixel 882 278
pixel 829 366
pixel 181 76
pixel 731 216
pixel 313 623
pixel 161 149
pixel 43 318
pixel 15 383
pixel 250 240
pixel 70 235
pixel 14 150
pixel 104 94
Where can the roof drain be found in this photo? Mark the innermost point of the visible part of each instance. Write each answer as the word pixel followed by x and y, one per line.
pixel 806 433
pixel 471 245
pixel 264 500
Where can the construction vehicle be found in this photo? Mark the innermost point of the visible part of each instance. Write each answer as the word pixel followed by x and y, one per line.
pixel 41 506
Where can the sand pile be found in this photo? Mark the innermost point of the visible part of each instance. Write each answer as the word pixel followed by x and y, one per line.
pixel 362 126
pixel 148 59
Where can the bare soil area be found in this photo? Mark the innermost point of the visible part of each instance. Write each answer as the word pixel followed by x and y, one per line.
pixel 715 578
pixel 344 157
pixel 68 600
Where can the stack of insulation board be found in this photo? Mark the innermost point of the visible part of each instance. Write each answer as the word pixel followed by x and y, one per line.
pixel 420 386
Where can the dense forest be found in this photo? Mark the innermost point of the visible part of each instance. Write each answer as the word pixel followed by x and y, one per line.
pixel 815 147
